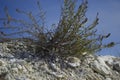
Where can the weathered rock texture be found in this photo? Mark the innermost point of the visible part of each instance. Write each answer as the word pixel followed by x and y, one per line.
pixel 22 64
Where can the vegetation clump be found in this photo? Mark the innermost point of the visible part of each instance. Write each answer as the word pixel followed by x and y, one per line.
pixel 70 37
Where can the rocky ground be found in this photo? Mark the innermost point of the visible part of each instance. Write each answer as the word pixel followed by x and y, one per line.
pixel 24 65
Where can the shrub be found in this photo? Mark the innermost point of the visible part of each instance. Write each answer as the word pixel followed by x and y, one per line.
pixel 71 37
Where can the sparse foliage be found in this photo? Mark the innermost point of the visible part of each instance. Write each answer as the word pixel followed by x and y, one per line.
pixel 71 37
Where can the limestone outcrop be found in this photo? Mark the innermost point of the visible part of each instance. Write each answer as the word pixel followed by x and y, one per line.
pixel 25 65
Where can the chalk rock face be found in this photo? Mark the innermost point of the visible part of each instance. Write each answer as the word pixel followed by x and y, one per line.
pixel 18 63
pixel 100 66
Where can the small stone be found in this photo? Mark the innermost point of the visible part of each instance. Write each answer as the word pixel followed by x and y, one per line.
pixel 54 67
pixel 24 69
pixel 108 79
pixel 19 67
pixel 84 53
pixel 15 70
pixel 12 60
pixel 2 63
pixel 73 62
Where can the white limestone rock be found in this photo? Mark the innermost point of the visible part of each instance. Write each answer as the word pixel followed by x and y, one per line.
pixel 54 67
pixel 72 68
pixel 2 63
pixel 108 79
pixel 73 62
pixel 109 60
pixel 100 66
